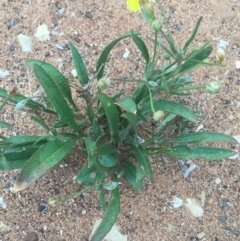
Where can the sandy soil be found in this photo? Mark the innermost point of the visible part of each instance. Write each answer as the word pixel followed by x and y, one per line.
pixel 147 215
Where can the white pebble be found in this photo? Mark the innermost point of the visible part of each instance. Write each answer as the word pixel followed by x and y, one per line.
pixel 25 42
pixel 42 33
pixel 4 74
pixel 218 181
pixel 2 203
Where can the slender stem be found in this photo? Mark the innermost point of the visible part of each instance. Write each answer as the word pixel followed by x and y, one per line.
pixel 70 196
pixel 194 87
pixel 165 19
pixel 126 80
pixel 151 100
pixel 155 48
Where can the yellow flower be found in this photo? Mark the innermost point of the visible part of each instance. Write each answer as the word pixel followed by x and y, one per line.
pixel 133 5
pixel 136 5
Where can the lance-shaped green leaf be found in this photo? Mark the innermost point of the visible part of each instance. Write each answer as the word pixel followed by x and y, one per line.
pixel 142 160
pixel 184 151
pixel 41 161
pixel 60 80
pixel 16 98
pixel 21 153
pixel 4 124
pixel 132 119
pixel 201 137
pixel 189 41
pixel 169 106
pixel 10 165
pixel 141 45
pixel 104 55
pixel 195 59
pixel 91 146
pixel 104 149
pixel 127 104
pixel 110 217
pixel 56 98
pixel 96 129
pixel 90 113
pixel 111 113
pixel 140 92
pixel 79 65
pixel 130 174
pixel 41 122
pixel 102 198
pixel 22 140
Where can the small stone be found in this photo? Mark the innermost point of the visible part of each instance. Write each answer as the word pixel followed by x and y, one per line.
pixel 190 169
pixel 31 237
pixel 42 208
pixel 201 235
pixel 25 42
pixel 179 27
pixel 4 74
pixel 222 219
pixel 74 73
pixel 238 64
pixel 233 157
pixel 12 48
pixel 10 24
pixel 181 163
pixel 177 202
pixel 42 33
pixel 98 207
pixel 218 181
pixel 4 228
pixel 88 15
pixel 235 232
pixel 225 205
pixel 126 54
pixel 61 10
pixel 194 207
pixel 58 46
pixel 84 212
pixel 2 203
pixel 200 127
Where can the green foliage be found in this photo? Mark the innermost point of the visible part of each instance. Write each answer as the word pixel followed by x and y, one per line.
pixel 111 127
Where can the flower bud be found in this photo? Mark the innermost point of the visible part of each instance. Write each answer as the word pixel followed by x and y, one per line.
pixel 213 87
pixel 158 115
pixel 53 202
pixel 104 83
pixel 156 25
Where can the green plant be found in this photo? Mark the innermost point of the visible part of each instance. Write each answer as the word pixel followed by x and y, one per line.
pixel 112 122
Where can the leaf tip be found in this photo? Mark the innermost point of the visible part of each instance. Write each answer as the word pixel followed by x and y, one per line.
pixel 19 186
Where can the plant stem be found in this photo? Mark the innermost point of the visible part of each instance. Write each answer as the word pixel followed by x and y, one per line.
pixel 194 87
pixel 151 100
pixel 165 19
pixel 155 49
pixel 70 196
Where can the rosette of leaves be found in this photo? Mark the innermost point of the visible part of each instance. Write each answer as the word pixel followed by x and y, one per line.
pixel 111 125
